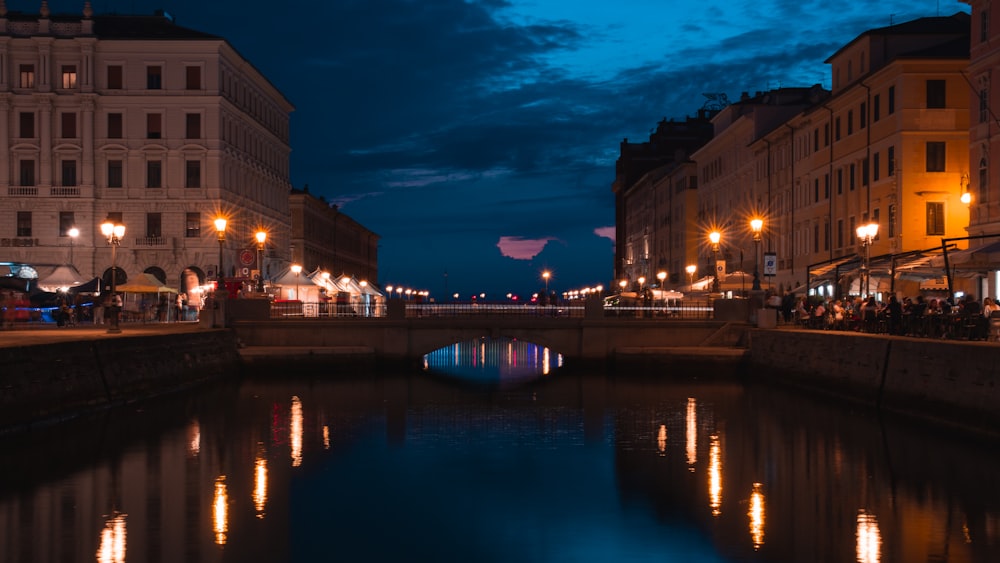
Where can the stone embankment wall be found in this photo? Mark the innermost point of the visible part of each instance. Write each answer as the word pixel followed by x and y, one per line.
pixel 955 383
pixel 47 382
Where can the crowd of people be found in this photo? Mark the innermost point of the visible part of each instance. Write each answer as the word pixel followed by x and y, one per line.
pixel 934 317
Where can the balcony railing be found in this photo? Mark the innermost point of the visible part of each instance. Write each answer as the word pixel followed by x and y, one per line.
pixel 65 191
pixel 22 190
pixel 150 241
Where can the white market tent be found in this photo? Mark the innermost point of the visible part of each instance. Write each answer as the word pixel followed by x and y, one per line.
pixel 61 278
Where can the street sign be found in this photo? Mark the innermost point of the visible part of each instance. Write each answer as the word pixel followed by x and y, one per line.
pixel 770 264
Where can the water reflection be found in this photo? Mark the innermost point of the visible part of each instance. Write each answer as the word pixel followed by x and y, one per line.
pixel 493 361
pixel 575 467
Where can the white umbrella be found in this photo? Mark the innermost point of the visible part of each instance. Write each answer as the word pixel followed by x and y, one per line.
pixel 62 278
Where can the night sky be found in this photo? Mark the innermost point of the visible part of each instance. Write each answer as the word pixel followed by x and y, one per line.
pixel 479 138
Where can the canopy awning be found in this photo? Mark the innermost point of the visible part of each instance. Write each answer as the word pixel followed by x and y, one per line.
pixel 145 283
pixel 61 278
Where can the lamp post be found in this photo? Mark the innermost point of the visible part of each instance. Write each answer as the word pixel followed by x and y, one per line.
pixel 297 269
pixel 691 269
pixel 545 276
pixel 756 225
pixel 220 230
pixel 714 237
pixel 73 232
pixel 261 238
pixel 114 232
pixel 867 234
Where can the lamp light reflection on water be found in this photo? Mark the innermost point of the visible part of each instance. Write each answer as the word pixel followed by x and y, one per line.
pixel 220 510
pixel 113 542
pixel 692 433
pixel 194 438
pixel 661 440
pixel 756 514
pixel 296 431
pixel 869 539
pixel 260 485
pixel 326 437
pixel 715 475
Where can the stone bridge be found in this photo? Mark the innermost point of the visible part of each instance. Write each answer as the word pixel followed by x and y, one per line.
pixel 408 340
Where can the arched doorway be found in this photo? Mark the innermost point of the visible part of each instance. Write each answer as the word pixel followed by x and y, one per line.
pixel 157 273
pixel 192 282
pixel 121 278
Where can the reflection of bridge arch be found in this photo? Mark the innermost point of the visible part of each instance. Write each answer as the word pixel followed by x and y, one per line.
pixel 425 341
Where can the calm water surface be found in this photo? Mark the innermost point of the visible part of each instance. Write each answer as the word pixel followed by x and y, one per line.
pixel 508 458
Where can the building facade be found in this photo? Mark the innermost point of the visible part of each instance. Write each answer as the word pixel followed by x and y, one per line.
pixel 326 239
pixel 141 121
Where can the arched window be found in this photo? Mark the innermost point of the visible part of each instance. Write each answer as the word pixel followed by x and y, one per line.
pixel 157 273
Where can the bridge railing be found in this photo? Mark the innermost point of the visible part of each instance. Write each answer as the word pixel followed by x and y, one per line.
pixel 681 310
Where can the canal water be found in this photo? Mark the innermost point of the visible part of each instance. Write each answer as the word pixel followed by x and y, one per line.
pixel 496 453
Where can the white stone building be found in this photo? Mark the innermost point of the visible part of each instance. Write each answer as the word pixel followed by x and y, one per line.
pixel 135 118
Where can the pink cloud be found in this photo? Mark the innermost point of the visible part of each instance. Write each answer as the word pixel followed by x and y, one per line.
pixel 606 232
pixel 520 248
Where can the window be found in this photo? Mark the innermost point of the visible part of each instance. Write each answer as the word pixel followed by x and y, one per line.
pixel 68 168
pixel 983 181
pixel 24 223
pixel 68 76
pixel 840 181
pixel 840 233
pixel 892 100
pixel 876 107
pixel 114 126
pixel 890 161
pixel 114 77
pixel 816 237
pixel 863 116
pixel 935 218
pixel 27 173
pixel 66 222
pixel 192 174
pixel 154 224
pixel 192 228
pixel 864 172
pixel 826 236
pixel 935 156
pixel 850 122
pixel 875 167
pixel 984 26
pixel 153 130
pixel 27 122
pixel 115 173
pixel 892 220
pixel 816 190
pixel 935 94
pixel 114 217
pixel 984 105
pixel 192 125
pixel 27 76
pixel 68 125
pixel 816 139
pixel 851 178
pixel 154 174
pixel 154 77
pixel 192 77
pixel 836 129
pixel 826 186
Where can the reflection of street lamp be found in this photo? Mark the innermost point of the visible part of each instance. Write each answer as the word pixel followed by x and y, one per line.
pixel 114 232
pixel 261 237
pixel 691 269
pixel 756 225
pixel 220 230
pixel 867 234
pixel 296 269
pixel 714 237
pixel 73 232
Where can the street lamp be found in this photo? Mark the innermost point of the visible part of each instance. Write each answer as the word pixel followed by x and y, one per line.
pixel 114 232
pixel 691 269
pixel 220 230
pixel 623 284
pixel 661 275
pixel 261 238
pixel 296 269
pixel 756 225
pixel 545 276
pixel 73 232
pixel 867 234
pixel 714 237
